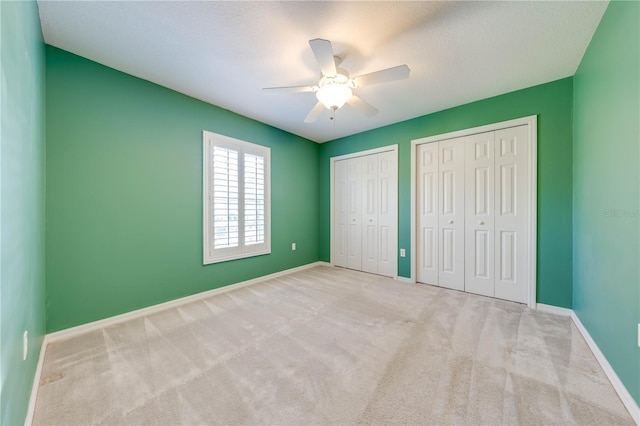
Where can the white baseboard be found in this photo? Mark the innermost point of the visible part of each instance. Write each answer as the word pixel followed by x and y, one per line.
pixel 556 310
pixel 405 280
pixel 74 331
pixel 36 383
pixel 619 387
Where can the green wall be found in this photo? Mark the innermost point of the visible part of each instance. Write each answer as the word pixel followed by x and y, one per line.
pixel 22 162
pixel 552 102
pixel 124 193
pixel 606 190
pixel 124 181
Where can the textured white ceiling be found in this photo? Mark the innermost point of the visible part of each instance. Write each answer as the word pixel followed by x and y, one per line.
pixel 225 52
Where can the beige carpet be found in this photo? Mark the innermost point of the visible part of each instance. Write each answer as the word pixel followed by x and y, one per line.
pixel 330 346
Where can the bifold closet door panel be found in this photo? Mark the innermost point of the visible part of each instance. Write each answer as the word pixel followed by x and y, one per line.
pixel 341 217
pixel 427 202
pixel 387 213
pixel 451 218
pixel 354 213
pixel 479 214
pixel 365 210
pixel 512 213
pixel 370 214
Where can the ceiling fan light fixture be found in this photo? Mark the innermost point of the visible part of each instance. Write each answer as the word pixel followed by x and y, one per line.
pixel 334 96
pixel 334 91
pixel 335 87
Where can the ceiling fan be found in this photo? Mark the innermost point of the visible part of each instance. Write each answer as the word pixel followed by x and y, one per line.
pixel 335 87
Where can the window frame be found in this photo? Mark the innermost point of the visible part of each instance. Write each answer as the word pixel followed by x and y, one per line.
pixel 242 250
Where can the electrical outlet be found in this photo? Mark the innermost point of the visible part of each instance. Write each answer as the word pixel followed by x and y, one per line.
pixel 293 246
pixel 402 253
pixel 25 344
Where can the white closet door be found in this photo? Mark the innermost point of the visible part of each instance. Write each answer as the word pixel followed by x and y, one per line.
pixel 370 214
pixel 387 213
pixel 341 213
pixel 479 214
pixel 451 218
pixel 354 213
pixel 365 213
pixel 427 250
pixel 511 218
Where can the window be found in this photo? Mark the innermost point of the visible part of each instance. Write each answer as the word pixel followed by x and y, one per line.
pixel 236 198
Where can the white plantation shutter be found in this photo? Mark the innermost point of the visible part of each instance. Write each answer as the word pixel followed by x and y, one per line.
pixel 236 198
pixel 253 199
pixel 225 198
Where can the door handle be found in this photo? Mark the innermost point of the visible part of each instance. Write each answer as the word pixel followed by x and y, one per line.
pixel 450 222
pixel 481 223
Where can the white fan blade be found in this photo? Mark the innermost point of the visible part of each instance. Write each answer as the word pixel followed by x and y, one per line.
pixel 323 52
pixel 390 74
pixel 362 106
pixel 291 89
pixel 315 113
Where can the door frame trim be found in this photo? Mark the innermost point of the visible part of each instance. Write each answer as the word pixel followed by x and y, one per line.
pixel 332 161
pixel 532 225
